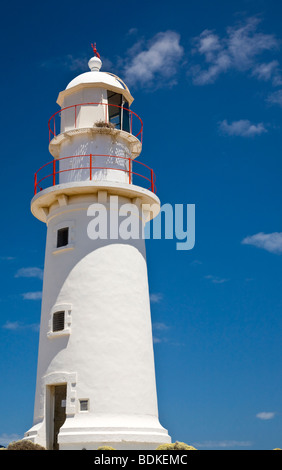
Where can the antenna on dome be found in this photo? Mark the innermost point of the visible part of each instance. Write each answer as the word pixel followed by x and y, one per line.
pixel 95 50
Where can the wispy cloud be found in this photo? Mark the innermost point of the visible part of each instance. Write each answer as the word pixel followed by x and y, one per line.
pixel 271 242
pixel 156 298
pixel 6 439
pixel 265 415
pixel 240 49
pixel 68 61
pixel 196 262
pixel 73 63
pixel 159 329
pixel 132 31
pixel 275 98
pixel 11 325
pixel 222 444
pixel 156 60
pixel 32 295
pixel 160 326
pixel 158 340
pixel 216 280
pixel 268 71
pixel 242 128
pixel 30 272
pixel 16 326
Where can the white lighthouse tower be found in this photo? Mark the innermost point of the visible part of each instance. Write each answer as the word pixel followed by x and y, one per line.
pixel 96 376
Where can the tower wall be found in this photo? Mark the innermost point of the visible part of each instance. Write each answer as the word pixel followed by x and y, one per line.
pixel 86 115
pixel 104 149
pixel 105 354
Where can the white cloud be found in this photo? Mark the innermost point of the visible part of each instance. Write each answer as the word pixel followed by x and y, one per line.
pixel 265 415
pixel 157 62
pixel 132 31
pixel 223 444
pixel 32 295
pixel 266 71
pixel 216 280
pixel 12 325
pixel 271 242
pixel 16 326
pixel 196 262
pixel 243 128
pixel 157 340
pixel 240 50
pixel 275 97
pixel 74 64
pixel 30 272
pixel 160 326
pixel 6 439
pixel 160 339
pixel 156 298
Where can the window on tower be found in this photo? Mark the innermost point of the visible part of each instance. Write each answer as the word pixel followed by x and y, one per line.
pixel 62 237
pixel 58 323
pixel 117 114
pixel 84 405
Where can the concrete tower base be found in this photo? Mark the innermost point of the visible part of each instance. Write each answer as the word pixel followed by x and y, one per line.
pixel 120 432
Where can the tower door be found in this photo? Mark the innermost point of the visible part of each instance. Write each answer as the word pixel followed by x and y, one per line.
pixel 60 395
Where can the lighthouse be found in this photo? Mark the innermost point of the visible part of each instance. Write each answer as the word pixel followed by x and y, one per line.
pixel 95 381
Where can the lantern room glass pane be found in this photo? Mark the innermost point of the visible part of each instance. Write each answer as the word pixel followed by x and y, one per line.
pixel 117 114
pixel 114 102
pixel 125 118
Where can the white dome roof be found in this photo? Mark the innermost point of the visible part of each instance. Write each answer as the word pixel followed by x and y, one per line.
pixel 96 78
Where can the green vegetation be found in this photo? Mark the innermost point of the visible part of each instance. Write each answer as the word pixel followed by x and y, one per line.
pixel 175 446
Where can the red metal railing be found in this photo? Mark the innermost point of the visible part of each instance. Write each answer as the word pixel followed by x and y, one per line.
pixel 134 119
pixel 42 180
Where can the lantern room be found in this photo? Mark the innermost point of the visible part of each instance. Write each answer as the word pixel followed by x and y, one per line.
pixel 95 135
pixel 95 139
pixel 105 90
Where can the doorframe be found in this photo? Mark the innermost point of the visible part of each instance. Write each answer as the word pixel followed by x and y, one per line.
pixel 50 410
pixel 48 383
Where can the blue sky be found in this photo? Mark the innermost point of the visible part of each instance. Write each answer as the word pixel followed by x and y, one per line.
pixel 207 82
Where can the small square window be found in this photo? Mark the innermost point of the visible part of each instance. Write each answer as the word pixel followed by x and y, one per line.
pixel 62 237
pixel 83 405
pixel 58 321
